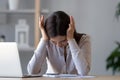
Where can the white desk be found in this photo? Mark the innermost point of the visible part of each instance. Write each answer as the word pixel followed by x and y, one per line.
pixel 47 78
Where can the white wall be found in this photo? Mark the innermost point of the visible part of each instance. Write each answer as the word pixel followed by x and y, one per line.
pixel 95 17
pixel 101 24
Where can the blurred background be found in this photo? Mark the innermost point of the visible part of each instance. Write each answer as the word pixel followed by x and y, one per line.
pixel 93 17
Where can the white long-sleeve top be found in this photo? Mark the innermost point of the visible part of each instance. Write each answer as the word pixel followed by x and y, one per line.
pixel 78 57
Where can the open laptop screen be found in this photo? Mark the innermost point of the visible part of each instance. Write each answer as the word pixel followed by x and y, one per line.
pixel 9 60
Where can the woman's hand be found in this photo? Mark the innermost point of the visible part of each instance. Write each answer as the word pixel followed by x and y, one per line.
pixel 41 26
pixel 71 29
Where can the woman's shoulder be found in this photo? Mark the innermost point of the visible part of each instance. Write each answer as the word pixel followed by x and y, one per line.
pixel 80 36
pixel 84 37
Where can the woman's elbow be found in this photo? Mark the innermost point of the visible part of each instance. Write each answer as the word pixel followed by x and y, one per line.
pixel 84 72
pixel 32 71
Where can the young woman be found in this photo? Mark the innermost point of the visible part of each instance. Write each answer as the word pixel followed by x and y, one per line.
pixel 66 51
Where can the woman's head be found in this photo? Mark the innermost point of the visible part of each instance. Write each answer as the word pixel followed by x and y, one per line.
pixel 57 24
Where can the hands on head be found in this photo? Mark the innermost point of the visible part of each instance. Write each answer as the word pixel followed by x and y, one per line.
pixel 70 30
pixel 42 29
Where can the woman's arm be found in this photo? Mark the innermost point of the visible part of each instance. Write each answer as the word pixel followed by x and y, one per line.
pixel 81 54
pixel 39 56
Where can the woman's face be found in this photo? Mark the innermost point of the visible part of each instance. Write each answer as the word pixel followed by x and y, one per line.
pixel 60 41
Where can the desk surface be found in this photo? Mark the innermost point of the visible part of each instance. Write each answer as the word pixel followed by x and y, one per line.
pixel 47 78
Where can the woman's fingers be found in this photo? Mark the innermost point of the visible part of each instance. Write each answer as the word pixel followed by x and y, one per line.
pixel 41 26
pixel 71 29
pixel 72 22
pixel 41 21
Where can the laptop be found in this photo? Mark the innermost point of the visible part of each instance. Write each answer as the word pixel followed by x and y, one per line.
pixel 10 65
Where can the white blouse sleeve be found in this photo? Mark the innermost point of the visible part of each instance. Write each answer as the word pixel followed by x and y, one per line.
pixel 39 56
pixel 81 54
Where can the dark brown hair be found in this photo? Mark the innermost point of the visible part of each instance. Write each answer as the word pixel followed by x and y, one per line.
pixel 57 24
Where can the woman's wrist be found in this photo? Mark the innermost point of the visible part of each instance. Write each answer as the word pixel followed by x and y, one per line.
pixel 70 38
pixel 45 39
